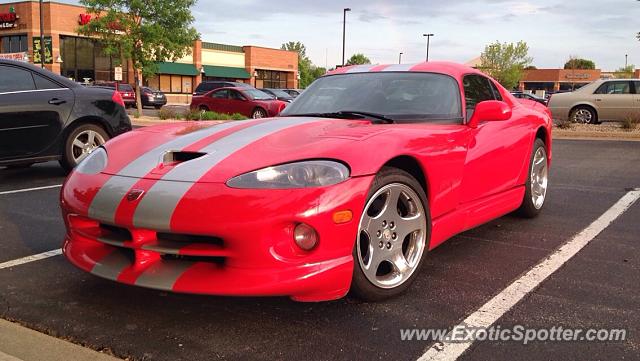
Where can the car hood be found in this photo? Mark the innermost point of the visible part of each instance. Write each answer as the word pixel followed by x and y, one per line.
pixel 216 151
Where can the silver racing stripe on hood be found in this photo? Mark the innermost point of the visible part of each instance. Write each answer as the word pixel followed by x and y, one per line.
pixel 361 68
pixel 157 206
pixel 398 67
pixel 104 205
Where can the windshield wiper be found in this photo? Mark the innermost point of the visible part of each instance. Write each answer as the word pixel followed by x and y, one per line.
pixel 347 114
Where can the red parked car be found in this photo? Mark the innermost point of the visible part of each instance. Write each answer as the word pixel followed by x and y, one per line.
pixel 126 91
pixel 249 102
pixel 349 188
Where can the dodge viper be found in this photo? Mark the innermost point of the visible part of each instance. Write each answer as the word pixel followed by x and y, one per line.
pixel 347 190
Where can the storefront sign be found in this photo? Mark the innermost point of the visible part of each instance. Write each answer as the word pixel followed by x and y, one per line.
pixel 48 50
pixel 577 76
pixel 84 19
pixel 117 73
pixel 9 20
pixel 23 56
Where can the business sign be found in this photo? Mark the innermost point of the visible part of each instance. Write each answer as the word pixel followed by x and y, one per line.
pixel 117 73
pixel 48 50
pixel 9 20
pixel 23 56
pixel 578 76
pixel 113 27
pixel 84 19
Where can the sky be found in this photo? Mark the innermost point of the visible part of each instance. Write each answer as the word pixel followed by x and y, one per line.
pixel 600 30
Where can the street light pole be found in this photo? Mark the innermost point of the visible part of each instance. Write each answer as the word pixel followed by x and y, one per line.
pixel 625 61
pixel 344 29
pixel 41 36
pixel 428 36
pixel 400 58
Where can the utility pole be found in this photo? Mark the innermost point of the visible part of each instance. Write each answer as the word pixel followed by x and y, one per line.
pixel 41 36
pixel 626 56
pixel 400 58
pixel 344 29
pixel 428 36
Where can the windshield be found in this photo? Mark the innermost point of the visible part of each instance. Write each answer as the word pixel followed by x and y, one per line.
pixel 400 96
pixel 280 93
pixel 258 94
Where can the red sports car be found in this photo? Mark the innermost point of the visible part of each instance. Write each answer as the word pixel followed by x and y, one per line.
pixel 368 170
pixel 249 102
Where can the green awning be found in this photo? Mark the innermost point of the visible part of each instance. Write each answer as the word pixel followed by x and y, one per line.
pixel 225 72
pixel 177 69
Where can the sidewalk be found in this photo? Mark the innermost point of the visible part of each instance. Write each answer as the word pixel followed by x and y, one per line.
pixel 19 343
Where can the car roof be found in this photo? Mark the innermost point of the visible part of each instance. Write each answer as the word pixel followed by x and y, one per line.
pixel 444 67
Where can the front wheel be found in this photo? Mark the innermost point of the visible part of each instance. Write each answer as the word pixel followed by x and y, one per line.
pixel 393 235
pixel 537 182
pixel 258 113
pixel 80 143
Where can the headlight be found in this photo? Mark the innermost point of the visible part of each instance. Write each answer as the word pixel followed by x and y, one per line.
pixel 313 173
pixel 94 163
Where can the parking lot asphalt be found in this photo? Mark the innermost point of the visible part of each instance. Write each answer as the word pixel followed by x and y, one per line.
pixel 597 288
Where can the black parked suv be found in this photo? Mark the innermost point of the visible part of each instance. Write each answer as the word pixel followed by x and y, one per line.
pixel 207 86
pixel 44 116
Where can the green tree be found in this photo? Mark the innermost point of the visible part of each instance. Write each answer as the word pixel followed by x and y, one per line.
pixel 625 72
pixel 144 32
pixel 505 62
pixel 578 63
pixel 358 59
pixel 308 71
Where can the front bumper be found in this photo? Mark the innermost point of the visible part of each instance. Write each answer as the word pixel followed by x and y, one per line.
pixel 222 241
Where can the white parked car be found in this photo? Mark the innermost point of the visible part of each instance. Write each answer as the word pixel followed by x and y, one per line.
pixel 602 100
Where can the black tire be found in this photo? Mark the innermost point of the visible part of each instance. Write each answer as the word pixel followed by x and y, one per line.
pixel 67 162
pixel 593 118
pixel 203 108
pixel 157 107
pixel 527 208
pixel 258 113
pixel 361 287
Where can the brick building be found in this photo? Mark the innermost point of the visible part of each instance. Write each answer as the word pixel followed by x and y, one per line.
pixel 82 59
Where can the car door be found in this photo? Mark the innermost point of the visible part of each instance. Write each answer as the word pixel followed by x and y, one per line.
pixel 497 150
pixel 614 100
pixel 218 101
pixel 33 110
pixel 238 103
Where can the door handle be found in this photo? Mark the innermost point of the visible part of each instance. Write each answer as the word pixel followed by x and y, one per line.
pixel 56 101
pixel 598 100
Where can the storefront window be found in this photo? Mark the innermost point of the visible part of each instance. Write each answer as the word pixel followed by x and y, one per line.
pixel 178 84
pixel 272 79
pixel 14 44
pixel 84 59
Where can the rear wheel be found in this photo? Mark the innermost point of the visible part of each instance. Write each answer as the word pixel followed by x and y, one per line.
pixel 537 182
pixel 80 143
pixel 393 235
pixel 203 108
pixel 585 115
pixel 258 113
pixel 157 107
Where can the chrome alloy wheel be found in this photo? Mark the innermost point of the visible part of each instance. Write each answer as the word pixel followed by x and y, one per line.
pixel 84 143
pixel 539 178
pixel 392 235
pixel 583 116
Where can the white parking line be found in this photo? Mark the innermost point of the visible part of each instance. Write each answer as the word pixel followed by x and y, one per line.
pixel 30 189
pixel 32 258
pixel 491 311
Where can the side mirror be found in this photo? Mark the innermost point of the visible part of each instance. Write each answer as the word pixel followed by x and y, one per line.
pixel 490 111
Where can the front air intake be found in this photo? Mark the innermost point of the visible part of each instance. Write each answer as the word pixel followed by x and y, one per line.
pixel 173 157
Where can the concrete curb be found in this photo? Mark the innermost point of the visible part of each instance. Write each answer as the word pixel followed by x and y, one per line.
pixel 18 343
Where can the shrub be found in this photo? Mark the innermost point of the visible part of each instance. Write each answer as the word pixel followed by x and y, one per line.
pixel 167 113
pixel 630 121
pixel 192 115
pixel 238 116
pixel 136 114
pixel 563 124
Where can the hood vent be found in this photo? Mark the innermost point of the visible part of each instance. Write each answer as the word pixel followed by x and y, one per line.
pixel 175 156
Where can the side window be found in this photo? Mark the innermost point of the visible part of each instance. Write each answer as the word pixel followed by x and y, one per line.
pixel 44 83
pixel 14 79
pixel 637 85
pixel 220 94
pixel 614 87
pixel 496 92
pixel 476 90
pixel 235 95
